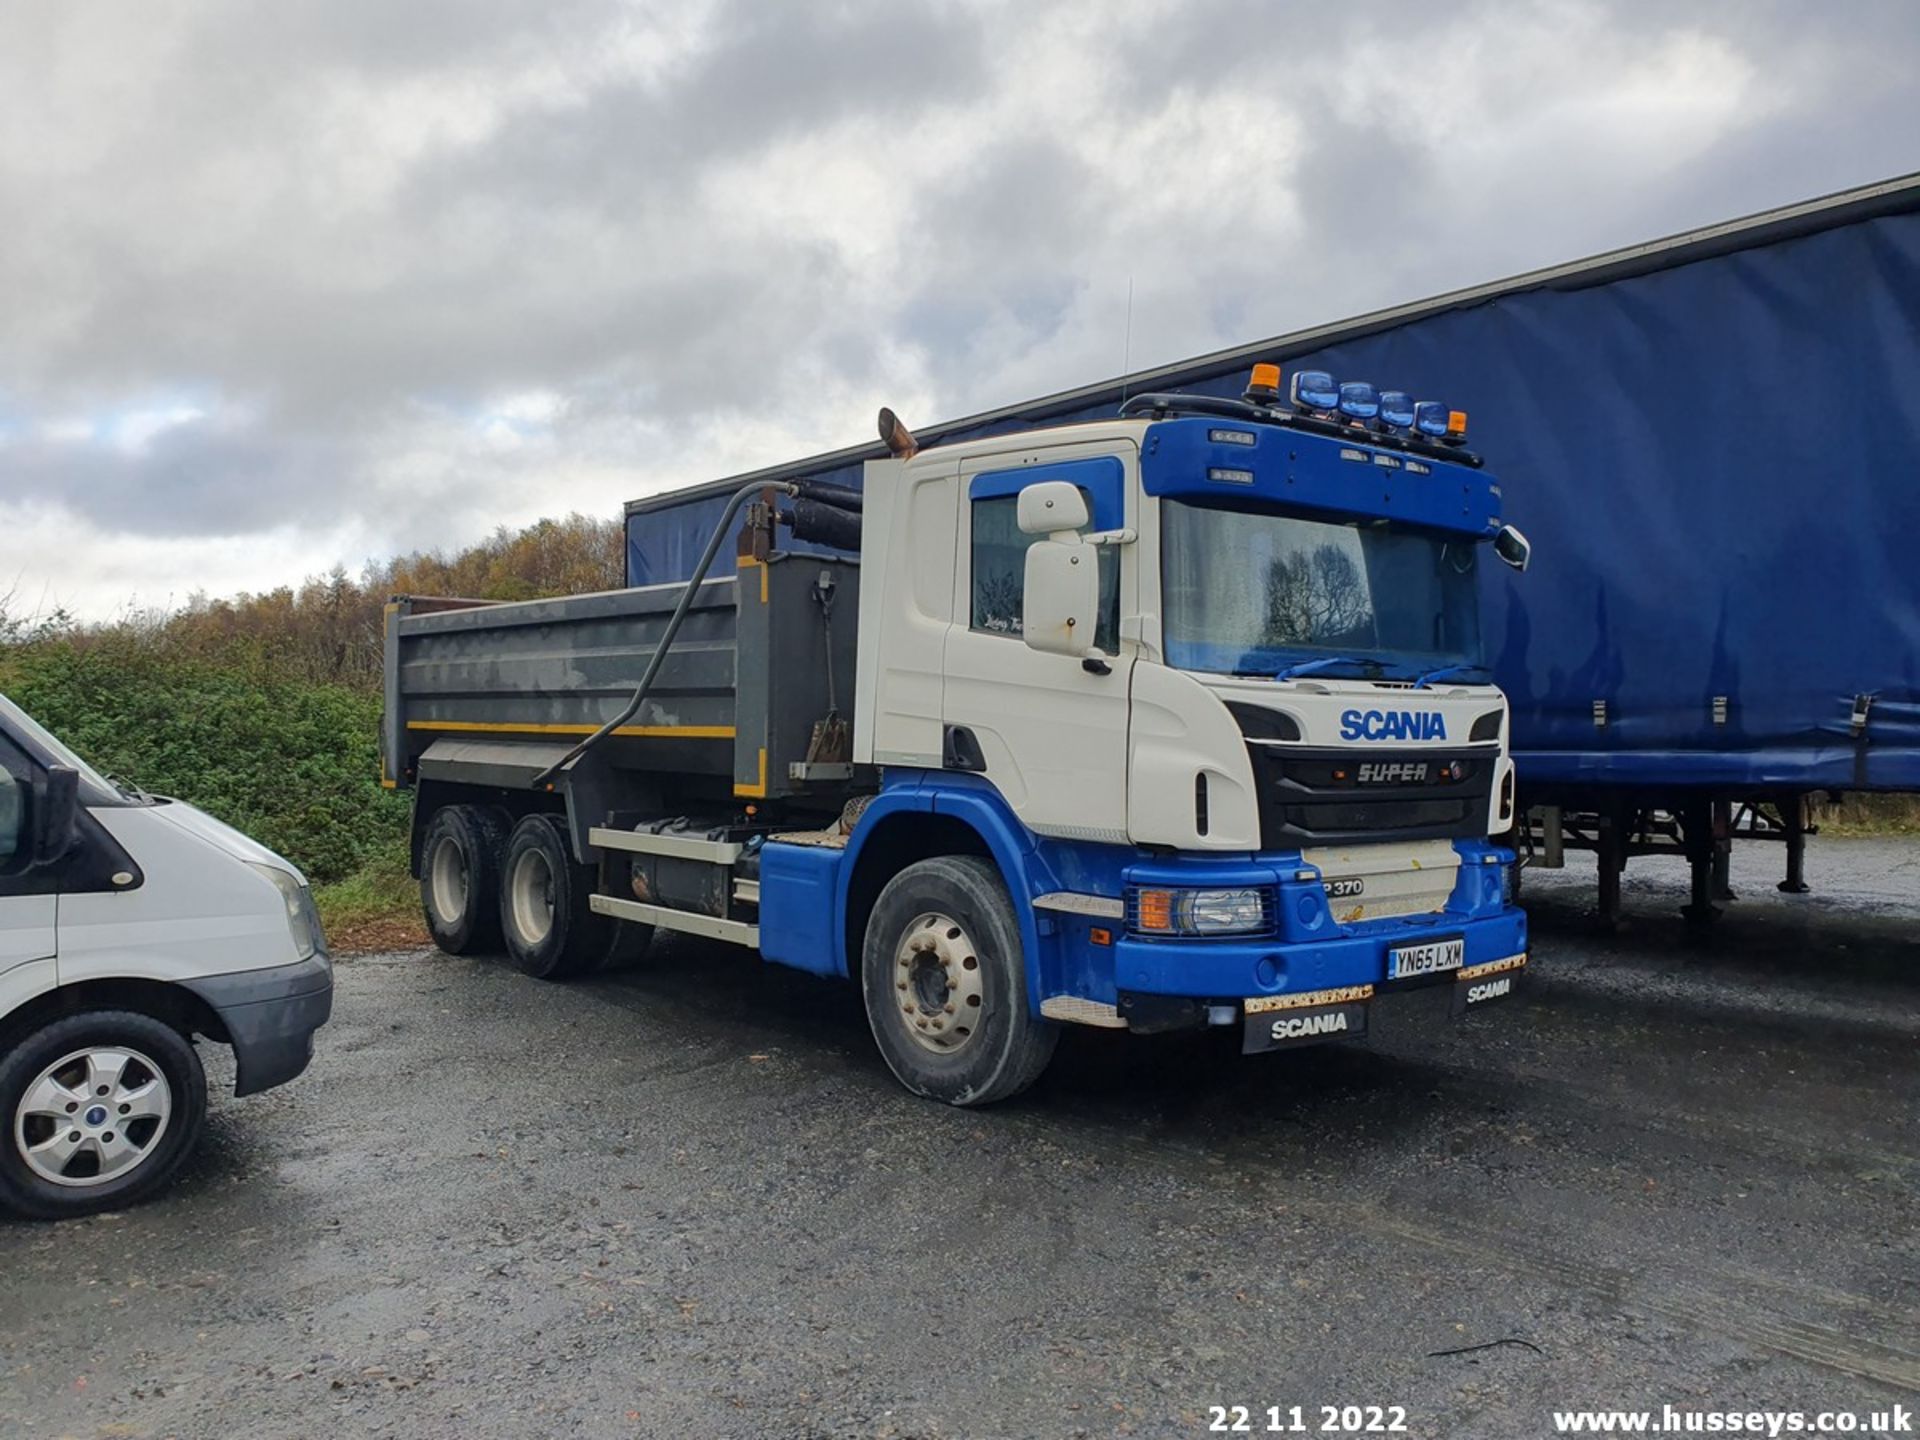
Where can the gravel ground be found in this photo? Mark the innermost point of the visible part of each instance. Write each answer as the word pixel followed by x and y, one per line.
pixel 688 1200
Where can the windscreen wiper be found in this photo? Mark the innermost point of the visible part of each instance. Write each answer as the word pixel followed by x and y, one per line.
pixel 126 787
pixel 1312 667
pixel 1446 672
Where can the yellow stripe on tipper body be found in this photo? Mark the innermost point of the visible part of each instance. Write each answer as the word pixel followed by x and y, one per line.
pixel 747 562
pixel 650 732
pixel 756 791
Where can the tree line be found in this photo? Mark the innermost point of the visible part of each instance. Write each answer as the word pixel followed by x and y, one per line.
pixel 327 630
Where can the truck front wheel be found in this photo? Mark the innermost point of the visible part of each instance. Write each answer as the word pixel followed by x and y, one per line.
pixel 101 1109
pixel 945 983
pixel 459 878
pixel 546 915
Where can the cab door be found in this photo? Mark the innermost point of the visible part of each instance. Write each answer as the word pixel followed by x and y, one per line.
pixel 27 895
pixel 1050 731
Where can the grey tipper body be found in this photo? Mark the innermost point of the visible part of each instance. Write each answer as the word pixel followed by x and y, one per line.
pixel 492 694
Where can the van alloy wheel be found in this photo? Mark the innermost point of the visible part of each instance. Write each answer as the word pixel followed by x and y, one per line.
pixel 92 1116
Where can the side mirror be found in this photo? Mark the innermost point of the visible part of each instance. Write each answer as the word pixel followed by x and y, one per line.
pixel 1511 546
pixel 1062 602
pixel 56 815
pixel 1051 507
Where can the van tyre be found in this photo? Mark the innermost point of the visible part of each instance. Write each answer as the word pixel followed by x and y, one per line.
pixel 100 1110
pixel 460 878
pixel 944 978
pixel 546 917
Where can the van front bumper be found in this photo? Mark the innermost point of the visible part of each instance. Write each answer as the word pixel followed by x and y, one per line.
pixel 270 1016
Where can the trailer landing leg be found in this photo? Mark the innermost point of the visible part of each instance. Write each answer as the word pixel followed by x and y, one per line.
pixel 1610 848
pixel 1696 823
pixel 1723 850
pixel 1793 818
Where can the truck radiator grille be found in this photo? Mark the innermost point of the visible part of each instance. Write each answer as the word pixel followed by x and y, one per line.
pixel 1321 797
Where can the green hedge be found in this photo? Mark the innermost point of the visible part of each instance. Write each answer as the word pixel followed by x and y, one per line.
pixel 296 765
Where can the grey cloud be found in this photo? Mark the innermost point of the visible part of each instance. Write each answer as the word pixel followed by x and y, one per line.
pixel 189 208
pixel 189 480
pixel 780 71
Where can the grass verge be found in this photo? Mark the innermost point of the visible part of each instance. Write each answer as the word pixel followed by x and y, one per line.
pixel 1860 813
pixel 377 907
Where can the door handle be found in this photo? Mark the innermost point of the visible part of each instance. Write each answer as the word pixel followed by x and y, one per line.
pixel 1094 665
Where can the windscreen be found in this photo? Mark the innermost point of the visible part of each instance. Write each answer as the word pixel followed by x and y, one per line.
pixel 1253 592
pixel 95 788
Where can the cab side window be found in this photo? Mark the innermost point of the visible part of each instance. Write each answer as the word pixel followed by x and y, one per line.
pixel 998 559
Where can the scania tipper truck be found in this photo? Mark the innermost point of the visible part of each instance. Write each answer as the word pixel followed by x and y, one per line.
pixel 1177 719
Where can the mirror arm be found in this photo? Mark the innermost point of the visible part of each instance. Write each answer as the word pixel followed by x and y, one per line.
pixel 1112 537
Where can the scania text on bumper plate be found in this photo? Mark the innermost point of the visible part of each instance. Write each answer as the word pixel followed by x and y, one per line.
pixel 1274 1021
pixel 1477 984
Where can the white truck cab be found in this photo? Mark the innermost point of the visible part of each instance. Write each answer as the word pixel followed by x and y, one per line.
pixel 129 925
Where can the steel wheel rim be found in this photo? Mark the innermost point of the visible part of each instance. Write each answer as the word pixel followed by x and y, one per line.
pixel 530 896
pixel 448 878
pixel 938 984
pixel 92 1116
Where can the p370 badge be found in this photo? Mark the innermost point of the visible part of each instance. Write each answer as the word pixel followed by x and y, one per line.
pixel 1345 886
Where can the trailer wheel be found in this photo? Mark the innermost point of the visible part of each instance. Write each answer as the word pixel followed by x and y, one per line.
pixel 945 984
pixel 550 927
pixel 459 877
pixel 101 1109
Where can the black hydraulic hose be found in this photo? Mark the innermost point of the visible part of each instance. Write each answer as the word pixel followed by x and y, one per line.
pixel 632 708
pixel 842 496
pixel 825 524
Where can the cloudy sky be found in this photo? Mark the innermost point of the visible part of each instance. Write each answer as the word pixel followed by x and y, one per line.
pixel 289 284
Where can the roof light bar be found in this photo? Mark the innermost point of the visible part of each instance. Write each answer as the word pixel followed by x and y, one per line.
pixel 1314 390
pixel 1359 400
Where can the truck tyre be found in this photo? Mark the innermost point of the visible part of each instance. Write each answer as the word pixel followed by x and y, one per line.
pixel 945 982
pixel 550 927
pixel 101 1109
pixel 460 878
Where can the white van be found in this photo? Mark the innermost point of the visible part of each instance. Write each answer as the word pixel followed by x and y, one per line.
pixel 129 924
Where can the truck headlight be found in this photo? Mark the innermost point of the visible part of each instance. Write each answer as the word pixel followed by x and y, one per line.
pixel 303 921
pixel 1156 911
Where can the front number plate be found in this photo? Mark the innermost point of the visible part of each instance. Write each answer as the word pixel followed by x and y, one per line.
pixel 1428 958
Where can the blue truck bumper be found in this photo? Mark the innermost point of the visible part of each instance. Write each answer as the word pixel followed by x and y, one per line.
pixel 1232 970
pixel 1308 992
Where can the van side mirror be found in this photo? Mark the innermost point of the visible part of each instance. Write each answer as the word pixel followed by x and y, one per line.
pixel 1062 601
pixel 56 815
pixel 1052 506
pixel 1511 546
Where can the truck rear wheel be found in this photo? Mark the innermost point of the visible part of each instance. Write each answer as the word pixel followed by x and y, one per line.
pixel 945 983
pixel 101 1109
pixel 459 878
pixel 551 929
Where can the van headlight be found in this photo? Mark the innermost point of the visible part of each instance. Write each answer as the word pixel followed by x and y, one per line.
pixel 1157 911
pixel 303 921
